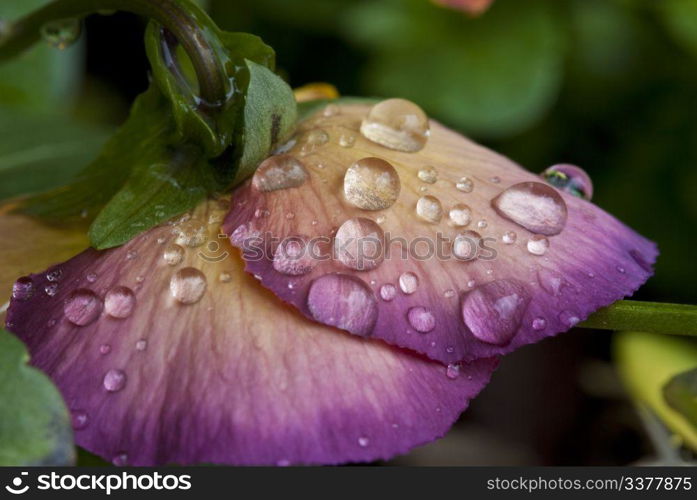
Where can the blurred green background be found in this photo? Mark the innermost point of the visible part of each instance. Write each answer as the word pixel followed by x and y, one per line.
pixel 609 85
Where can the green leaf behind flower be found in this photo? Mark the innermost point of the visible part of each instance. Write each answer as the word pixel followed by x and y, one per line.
pixel 681 395
pixel 34 422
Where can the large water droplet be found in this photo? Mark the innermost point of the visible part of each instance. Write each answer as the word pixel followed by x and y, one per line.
pixel 421 319
pixel 388 292
pixel 494 311
pixel 537 207
pixel 538 245
pixel 82 307
pixel 61 33
pixel 23 288
pixel 280 172
pixel 570 178
pixel 371 184
pixel 359 244
pixel 343 301
pixel 429 208
pixel 397 124
pixel 114 380
pixel 119 302
pixel 429 175
pixel 408 283
pixel 188 285
pixel 460 215
pixel 293 256
pixel 173 254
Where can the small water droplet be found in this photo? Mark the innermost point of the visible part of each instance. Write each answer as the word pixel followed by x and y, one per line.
pixel 568 318
pixel 388 292
pixel 449 294
pixel 397 124
pixel 114 380
pixel 82 307
pixel 408 283
pixel 188 285
pixel 23 288
pixel 465 185
pixel 225 277
pixel 551 281
pixel 104 349
pixel 283 463
pixel 494 311
pixel 539 324
pixel 141 345
pixel 429 209
pixel 428 175
pixel 421 319
pixel 280 172
pixel 293 257
pixel 358 244
pixel 173 254
pixel 120 460
pixel 363 441
pixel 621 269
pixel 191 234
pixel 54 275
pixel 131 254
pixel 495 179
pixel 343 301
pixel 119 302
pixel 91 277
pixel 380 219
pixel 61 33
pixel 460 215
pixel 482 224
pixel 161 240
pixel 571 179
pixel 535 206
pixel 347 140
pixel 371 184
pixel 538 245
pixel 331 110
pixel 452 371
pixel 79 419
pixel 509 237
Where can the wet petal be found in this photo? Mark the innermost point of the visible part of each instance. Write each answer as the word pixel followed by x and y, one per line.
pixel 467 255
pixel 189 360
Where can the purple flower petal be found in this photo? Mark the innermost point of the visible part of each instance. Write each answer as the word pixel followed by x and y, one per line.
pixel 173 354
pixel 467 254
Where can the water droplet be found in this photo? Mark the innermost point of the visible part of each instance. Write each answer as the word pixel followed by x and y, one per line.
pixel 620 269
pixel 388 292
pixel 509 237
pixel 104 349
pixel 429 209
pixel 465 185
pixel 82 307
pixel 316 138
pixel 571 179
pixel 429 175
pixel 495 179
pixel 79 419
pixel 161 240
pixel 120 460
pixel 452 371
pixel 293 257
pixel 54 275
pixel 466 245
pixel 358 244
pixel 91 277
pixel 568 318
pixel 551 281
pixel 141 345
pixel 482 224
pixel 173 254
pixel 538 245
pixel 460 215
pixel 408 283
pixel 347 140
pixel 397 124
pixel 191 234
pixel 114 380
pixel 449 294
pixel 343 301
pixel 421 319
pixel 131 254
pixel 331 110
pixel 23 288
pixel 61 33
pixel 225 277
pixel 535 206
pixel 363 441
pixel 280 172
pixel 188 285
pixel 494 311
pixel 371 184
pixel 380 219
pixel 119 302
pixel 539 324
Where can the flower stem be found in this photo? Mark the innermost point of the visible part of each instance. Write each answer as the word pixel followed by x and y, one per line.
pixel 190 25
pixel 651 317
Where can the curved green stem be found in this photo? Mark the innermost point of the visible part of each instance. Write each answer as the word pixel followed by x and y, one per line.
pixel 190 25
pixel 650 317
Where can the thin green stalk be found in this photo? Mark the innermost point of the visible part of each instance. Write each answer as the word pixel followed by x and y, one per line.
pixel 191 26
pixel 650 317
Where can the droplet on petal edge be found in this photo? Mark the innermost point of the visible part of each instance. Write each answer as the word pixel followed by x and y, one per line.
pixel 280 172
pixel 570 178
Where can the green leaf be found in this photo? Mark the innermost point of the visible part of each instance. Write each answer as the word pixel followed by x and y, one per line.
pixel 34 422
pixel 502 69
pixel 39 151
pixel 680 18
pixel 42 77
pixel 681 395
pixel 269 116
